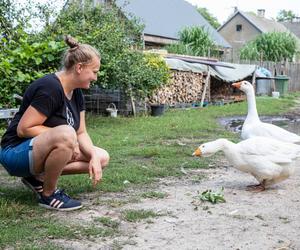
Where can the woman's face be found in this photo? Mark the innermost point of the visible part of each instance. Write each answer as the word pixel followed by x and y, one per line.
pixel 87 73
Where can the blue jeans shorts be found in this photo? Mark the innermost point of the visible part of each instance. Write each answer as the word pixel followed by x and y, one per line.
pixel 18 160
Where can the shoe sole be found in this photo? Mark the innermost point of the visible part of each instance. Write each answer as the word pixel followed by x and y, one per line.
pixel 27 184
pixel 60 209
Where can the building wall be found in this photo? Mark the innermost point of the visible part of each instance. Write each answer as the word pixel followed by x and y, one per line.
pixel 238 39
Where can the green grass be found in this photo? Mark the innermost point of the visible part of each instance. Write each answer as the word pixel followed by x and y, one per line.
pixel 142 149
pixel 153 194
pixel 137 215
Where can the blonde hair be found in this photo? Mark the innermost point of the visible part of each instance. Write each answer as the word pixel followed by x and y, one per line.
pixel 78 53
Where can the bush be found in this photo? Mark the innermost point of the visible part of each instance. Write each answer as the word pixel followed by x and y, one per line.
pixel 22 62
pixel 273 46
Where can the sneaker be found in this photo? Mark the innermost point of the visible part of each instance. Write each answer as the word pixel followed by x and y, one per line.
pixel 59 201
pixel 35 185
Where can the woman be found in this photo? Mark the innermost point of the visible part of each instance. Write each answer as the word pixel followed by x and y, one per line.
pixel 48 136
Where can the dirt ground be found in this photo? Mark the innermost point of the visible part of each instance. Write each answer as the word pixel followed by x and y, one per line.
pixel 266 220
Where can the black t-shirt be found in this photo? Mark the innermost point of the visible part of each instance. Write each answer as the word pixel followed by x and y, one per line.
pixel 47 96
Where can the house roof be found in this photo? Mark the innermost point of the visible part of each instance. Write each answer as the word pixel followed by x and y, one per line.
pixel 262 24
pixel 293 27
pixel 165 18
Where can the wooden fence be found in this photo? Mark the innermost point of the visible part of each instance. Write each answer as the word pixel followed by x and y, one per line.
pixel 292 70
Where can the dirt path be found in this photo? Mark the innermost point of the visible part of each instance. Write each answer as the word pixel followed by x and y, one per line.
pixel 266 220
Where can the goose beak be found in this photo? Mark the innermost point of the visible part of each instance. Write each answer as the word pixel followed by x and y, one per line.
pixel 237 84
pixel 197 152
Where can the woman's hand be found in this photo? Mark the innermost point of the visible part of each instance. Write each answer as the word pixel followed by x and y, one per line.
pixel 95 170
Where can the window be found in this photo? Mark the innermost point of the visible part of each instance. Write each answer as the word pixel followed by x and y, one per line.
pixel 238 27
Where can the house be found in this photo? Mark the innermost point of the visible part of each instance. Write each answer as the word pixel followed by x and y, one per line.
pixel 243 27
pixel 294 27
pixel 163 19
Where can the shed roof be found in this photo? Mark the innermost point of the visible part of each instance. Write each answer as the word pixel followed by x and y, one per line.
pixel 166 18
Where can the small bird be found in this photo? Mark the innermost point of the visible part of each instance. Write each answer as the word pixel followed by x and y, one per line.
pixel 269 160
pixel 253 126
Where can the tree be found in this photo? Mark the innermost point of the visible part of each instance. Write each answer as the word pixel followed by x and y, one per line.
pixel 285 15
pixel 273 46
pixel 209 17
pixel 35 54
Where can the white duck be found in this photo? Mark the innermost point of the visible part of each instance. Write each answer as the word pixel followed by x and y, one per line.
pixel 268 160
pixel 254 127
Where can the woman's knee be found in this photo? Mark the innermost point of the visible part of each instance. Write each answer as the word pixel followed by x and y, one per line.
pixel 65 135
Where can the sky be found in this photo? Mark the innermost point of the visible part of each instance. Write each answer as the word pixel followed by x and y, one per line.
pixel 222 9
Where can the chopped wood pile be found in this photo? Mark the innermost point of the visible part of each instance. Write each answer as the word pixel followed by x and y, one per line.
pixel 184 87
pixel 223 91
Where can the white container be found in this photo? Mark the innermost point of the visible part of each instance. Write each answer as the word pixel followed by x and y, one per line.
pixel 112 110
pixel 275 94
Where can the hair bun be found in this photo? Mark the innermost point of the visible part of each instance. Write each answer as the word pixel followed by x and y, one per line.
pixel 72 42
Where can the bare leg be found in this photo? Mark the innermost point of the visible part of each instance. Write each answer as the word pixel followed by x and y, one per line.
pixel 81 165
pixel 52 150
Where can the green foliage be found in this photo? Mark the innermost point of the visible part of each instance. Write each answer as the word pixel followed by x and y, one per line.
pixel 212 196
pixel 32 55
pixel 23 61
pixel 194 41
pixel 285 15
pixel 209 17
pixel 273 46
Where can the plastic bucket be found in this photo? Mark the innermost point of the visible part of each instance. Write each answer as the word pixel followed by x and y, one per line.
pixel 112 110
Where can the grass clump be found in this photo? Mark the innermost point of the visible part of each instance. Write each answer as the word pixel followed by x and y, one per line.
pixel 153 194
pixel 137 215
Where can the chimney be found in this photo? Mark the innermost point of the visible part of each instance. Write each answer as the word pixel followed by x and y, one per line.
pixel 261 12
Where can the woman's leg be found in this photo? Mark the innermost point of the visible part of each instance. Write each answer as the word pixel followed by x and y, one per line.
pixel 81 165
pixel 51 152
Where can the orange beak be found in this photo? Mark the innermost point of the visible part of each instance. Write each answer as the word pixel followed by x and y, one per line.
pixel 197 152
pixel 237 84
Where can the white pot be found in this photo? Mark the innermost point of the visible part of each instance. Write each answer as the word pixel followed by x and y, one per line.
pixel 275 94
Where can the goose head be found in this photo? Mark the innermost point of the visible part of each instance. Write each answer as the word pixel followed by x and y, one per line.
pixel 244 86
pixel 210 148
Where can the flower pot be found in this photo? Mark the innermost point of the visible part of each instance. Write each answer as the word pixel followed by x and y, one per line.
pixel 157 109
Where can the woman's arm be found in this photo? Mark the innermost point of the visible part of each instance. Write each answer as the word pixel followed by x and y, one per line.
pixel 87 148
pixel 31 122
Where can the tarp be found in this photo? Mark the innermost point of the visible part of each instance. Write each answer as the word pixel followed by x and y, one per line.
pixel 232 73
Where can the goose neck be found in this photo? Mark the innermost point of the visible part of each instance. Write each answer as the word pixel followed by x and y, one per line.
pixel 252 111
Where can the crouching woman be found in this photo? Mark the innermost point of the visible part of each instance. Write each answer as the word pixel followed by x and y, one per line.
pixel 48 138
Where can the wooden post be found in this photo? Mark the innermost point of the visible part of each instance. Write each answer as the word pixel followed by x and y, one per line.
pixel 132 102
pixel 205 87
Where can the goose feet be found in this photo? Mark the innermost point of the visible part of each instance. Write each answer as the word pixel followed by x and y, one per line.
pixel 256 188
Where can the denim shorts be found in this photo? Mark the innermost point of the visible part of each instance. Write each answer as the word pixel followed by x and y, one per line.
pixel 18 160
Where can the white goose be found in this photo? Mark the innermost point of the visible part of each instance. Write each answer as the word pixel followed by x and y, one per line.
pixel 253 126
pixel 268 160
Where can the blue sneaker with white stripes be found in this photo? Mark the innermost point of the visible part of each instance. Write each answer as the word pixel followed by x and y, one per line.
pixel 59 201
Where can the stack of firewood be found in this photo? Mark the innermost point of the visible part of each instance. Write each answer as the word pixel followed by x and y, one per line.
pixel 184 87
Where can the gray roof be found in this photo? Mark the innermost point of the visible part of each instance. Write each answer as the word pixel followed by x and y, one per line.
pixel 293 27
pixel 166 18
pixel 264 25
